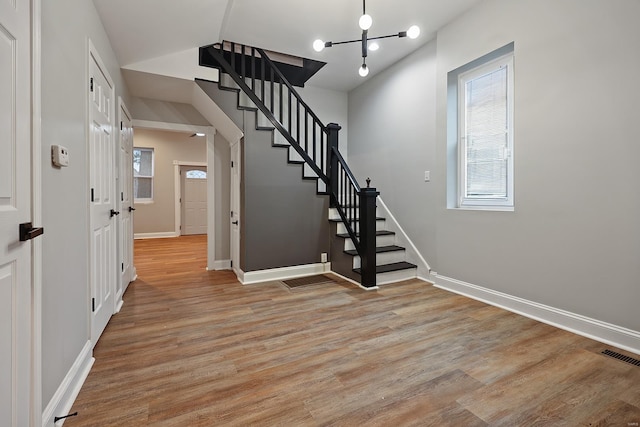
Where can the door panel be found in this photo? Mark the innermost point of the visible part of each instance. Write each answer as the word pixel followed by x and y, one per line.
pixel 15 208
pixel 235 207
pixel 102 181
pixel 126 201
pixel 194 203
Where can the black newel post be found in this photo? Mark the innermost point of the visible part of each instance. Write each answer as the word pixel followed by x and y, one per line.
pixel 368 236
pixel 332 162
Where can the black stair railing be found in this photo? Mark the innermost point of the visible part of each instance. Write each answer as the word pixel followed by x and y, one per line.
pixel 269 90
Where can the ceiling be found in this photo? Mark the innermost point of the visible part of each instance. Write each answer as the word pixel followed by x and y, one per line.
pixel 140 30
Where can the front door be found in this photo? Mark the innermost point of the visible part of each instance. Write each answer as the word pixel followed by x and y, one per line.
pixel 194 200
pixel 15 208
pixel 102 200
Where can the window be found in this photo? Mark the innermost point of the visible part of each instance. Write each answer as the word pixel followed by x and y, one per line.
pixel 143 174
pixel 484 133
pixel 196 174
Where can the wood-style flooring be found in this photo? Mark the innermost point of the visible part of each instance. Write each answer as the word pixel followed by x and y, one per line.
pixel 196 348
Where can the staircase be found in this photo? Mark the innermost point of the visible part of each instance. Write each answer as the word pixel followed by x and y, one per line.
pixel 360 247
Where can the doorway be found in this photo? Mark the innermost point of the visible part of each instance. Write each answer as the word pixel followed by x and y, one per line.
pixel 193 184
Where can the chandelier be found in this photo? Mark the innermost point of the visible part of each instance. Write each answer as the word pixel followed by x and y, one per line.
pixel 365 23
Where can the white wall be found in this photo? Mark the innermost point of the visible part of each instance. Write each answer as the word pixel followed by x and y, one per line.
pixel 331 106
pixel 574 238
pixel 66 27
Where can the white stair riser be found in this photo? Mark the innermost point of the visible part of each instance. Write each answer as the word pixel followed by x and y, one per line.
pixel 342 229
pixel 383 258
pixel 396 276
pixel 386 240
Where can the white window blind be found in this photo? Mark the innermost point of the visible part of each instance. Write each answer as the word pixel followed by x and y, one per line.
pixel 485 135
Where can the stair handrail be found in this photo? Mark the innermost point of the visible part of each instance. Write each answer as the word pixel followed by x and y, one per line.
pixel 262 107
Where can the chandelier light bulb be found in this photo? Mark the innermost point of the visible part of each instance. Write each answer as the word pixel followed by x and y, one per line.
pixel 374 46
pixel 318 45
pixel 365 22
pixel 413 32
pixel 363 71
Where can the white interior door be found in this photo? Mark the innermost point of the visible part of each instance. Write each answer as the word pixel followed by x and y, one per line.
pixel 235 207
pixel 126 201
pixel 194 199
pixel 102 182
pixel 15 208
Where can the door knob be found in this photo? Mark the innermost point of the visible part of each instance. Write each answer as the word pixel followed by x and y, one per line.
pixel 235 223
pixel 27 231
pixel 113 213
pixel 131 209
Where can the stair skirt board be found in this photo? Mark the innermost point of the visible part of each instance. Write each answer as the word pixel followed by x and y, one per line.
pixel 284 273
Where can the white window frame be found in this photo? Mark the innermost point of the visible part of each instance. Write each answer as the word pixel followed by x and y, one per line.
pixel 485 203
pixel 153 160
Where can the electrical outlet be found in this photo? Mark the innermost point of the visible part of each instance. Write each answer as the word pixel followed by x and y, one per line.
pixel 323 257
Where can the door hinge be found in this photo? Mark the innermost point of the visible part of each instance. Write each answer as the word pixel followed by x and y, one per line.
pixel 180 200
pixel 120 125
pixel 122 196
pixel 231 214
pixel 91 84
pixel 93 305
pixel 122 266
pixel 92 198
pixel 231 163
pixel 231 263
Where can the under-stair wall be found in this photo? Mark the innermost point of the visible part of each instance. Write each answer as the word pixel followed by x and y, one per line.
pixel 284 222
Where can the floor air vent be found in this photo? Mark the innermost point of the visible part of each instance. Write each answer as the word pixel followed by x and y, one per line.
pixel 309 280
pixel 622 357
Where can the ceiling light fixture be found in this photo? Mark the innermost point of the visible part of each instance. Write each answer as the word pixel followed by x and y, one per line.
pixel 365 23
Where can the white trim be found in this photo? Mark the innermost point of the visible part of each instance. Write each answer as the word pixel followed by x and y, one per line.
pixel 211 198
pixel 224 264
pixel 617 336
pixel 66 394
pixel 283 273
pixel 36 211
pixel 172 127
pixel 160 235
pixel 402 238
pixel 345 278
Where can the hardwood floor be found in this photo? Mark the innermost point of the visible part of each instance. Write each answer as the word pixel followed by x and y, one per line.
pixel 197 348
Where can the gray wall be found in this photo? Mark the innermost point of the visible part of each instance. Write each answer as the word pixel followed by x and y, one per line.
pixel 158 216
pixel 574 238
pixel 66 25
pixel 283 222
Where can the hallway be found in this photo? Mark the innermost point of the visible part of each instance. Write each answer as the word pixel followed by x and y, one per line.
pixel 196 348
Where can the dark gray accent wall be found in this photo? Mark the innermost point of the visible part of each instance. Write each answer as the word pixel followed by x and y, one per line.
pixel 283 221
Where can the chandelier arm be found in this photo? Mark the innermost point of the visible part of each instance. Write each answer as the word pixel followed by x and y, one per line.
pixel 385 37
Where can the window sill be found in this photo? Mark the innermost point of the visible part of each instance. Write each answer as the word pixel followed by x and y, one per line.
pixel 485 208
pixel 143 202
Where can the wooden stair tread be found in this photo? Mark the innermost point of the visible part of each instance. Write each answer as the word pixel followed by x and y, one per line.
pixel 387 268
pixel 379 250
pixel 379 218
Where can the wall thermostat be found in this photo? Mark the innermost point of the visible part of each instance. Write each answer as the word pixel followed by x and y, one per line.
pixel 59 155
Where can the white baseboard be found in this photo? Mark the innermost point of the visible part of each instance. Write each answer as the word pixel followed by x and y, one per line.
pixel 247 278
pixel 161 235
pixel 63 399
pixel 224 264
pixel 607 333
